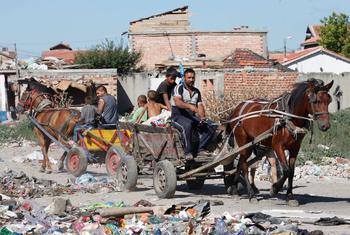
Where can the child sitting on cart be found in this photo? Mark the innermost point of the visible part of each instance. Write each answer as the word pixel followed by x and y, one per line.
pixel 153 109
pixel 141 102
pixel 87 118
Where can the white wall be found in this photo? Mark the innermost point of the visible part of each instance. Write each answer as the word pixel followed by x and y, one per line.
pixel 328 63
pixel 3 94
pixel 342 80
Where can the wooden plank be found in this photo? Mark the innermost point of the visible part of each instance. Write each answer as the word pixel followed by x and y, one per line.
pixel 217 162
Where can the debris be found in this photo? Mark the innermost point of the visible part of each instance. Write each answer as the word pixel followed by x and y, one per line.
pixel 85 179
pixel 105 212
pixel 59 207
pixel 330 221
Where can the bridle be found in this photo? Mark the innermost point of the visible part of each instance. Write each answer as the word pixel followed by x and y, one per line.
pixel 30 98
pixel 313 102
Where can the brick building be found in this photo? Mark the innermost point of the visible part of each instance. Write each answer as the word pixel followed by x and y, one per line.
pixel 61 51
pixel 167 36
pixel 244 71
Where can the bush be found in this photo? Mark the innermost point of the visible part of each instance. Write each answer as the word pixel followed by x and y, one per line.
pixel 332 143
pixel 21 130
pixel 109 54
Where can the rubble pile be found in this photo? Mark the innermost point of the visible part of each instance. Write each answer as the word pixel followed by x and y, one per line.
pixel 329 167
pixel 60 217
pixel 18 184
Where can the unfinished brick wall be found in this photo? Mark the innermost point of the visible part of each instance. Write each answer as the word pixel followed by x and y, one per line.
pixel 219 45
pixel 159 47
pixel 273 84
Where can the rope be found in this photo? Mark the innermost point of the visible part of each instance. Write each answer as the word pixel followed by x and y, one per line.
pixel 260 113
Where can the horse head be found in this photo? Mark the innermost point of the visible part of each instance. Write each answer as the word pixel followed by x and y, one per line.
pixel 318 101
pixel 31 99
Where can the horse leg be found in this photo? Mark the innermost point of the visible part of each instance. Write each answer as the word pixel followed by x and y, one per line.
pixel 270 156
pixel 276 187
pixel 46 156
pixel 252 180
pixel 250 190
pixel 42 143
pixel 290 197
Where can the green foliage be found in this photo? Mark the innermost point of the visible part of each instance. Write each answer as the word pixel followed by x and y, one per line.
pixel 109 54
pixel 19 131
pixel 335 33
pixel 336 139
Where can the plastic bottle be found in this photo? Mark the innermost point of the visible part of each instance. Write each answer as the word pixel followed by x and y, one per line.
pixel 220 227
pixel 5 231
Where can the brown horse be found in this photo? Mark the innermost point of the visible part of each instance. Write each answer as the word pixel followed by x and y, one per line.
pixel 307 98
pixel 56 121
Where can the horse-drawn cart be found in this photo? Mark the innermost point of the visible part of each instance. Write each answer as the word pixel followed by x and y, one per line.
pixel 159 150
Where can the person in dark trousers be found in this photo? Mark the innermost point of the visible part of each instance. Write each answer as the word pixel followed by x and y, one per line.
pixel 87 117
pixel 106 106
pixel 188 114
pixel 166 88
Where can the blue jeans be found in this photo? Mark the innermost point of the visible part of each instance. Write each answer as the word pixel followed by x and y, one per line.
pixel 80 127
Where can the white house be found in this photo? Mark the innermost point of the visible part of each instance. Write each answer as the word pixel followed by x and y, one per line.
pixel 316 60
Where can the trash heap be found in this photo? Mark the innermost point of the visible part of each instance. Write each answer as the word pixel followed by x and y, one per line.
pixel 329 167
pixel 19 185
pixel 60 217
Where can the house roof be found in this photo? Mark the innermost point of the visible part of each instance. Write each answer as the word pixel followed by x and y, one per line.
pixel 8 54
pixel 312 35
pixel 67 56
pixel 176 10
pixel 299 55
pixel 243 57
pixel 61 46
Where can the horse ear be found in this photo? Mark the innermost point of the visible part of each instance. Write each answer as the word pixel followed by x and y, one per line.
pixel 328 86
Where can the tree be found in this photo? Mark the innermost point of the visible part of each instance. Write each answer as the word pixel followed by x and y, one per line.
pixel 109 54
pixel 335 33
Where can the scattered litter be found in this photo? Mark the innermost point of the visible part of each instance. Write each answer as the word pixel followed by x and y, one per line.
pixel 35 155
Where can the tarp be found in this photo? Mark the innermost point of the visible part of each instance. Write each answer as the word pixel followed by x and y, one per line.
pixel 3 94
pixel 124 102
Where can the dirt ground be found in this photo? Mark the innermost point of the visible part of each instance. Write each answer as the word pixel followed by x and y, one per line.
pixel 318 197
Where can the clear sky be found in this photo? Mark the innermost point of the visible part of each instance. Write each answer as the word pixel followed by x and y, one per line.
pixel 36 25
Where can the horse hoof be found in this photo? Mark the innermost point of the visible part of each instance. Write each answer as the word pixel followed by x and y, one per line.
pixel 253 200
pixel 49 171
pixel 42 170
pixel 60 166
pixel 293 203
pixel 272 192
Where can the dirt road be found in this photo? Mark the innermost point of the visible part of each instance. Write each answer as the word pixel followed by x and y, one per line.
pixel 318 197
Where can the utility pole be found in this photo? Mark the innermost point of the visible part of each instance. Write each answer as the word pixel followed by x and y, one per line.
pixel 16 62
pixel 285 45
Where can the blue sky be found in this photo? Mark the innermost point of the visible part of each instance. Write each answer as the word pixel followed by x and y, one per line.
pixel 37 25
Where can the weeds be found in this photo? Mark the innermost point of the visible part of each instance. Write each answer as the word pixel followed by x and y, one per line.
pixel 21 130
pixel 332 143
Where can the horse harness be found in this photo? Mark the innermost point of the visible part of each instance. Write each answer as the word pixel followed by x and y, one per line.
pixel 43 106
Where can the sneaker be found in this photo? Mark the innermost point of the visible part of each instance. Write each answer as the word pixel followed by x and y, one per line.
pixel 188 156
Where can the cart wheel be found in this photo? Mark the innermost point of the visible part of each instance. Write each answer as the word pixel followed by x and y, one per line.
pixel 113 160
pixel 77 161
pixel 164 179
pixel 196 184
pixel 126 172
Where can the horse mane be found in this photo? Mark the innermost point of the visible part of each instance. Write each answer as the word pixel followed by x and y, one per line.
pixel 299 89
pixel 34 84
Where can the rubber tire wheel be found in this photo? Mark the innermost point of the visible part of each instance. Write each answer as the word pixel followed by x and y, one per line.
pixel 127 181
pixel 167 169
pixel 76 153
pixel 116 153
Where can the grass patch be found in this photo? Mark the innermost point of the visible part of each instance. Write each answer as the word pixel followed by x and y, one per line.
pixel 21 130
pixel 333 143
